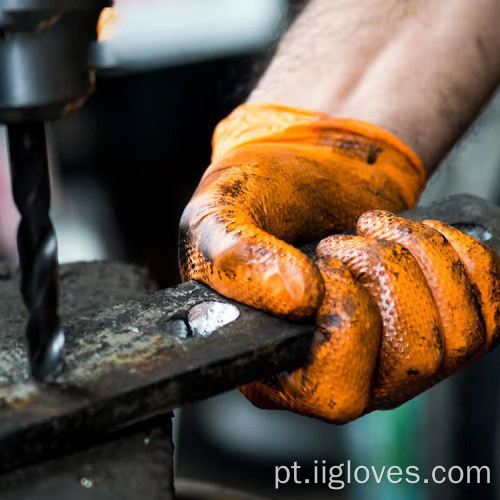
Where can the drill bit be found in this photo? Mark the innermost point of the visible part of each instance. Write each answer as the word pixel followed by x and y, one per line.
pixel 37 247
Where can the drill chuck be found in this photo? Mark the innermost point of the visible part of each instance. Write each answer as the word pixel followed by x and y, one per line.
pixel 44 56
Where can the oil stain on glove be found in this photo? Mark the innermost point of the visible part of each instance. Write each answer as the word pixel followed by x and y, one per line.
pixel 283 176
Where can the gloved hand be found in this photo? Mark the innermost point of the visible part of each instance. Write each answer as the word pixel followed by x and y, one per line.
pixel 396 316
pixel 406 305
pixel 279 176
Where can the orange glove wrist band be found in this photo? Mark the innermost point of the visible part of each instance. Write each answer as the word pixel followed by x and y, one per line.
pixel 320 133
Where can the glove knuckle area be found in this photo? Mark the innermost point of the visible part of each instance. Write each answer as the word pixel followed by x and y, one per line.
pixel 453 292
pixel 380 339
pixel 483 267
pixel 411 347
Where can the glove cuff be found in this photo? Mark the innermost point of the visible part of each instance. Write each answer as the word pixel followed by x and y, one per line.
pixel 257 123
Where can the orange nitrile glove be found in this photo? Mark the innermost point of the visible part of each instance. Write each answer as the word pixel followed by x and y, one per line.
pixel 402 305
pixel 406 305
pixel 279 176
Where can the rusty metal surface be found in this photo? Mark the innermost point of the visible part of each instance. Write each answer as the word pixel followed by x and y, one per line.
pixel 130 362
pixel 86 287
pixel 138 465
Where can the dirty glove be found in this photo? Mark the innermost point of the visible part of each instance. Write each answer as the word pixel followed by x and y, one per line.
pixel 403 304
pixel 406 305
pixel 283 176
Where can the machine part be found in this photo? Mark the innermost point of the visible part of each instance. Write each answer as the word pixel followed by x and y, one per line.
pixel 44 51
pixel 137 463
pixel 133 361
pixel 37 246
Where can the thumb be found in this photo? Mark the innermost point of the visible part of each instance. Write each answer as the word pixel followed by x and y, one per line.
pixel 223 246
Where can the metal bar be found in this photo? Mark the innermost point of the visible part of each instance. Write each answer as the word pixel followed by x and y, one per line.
pixel 133 361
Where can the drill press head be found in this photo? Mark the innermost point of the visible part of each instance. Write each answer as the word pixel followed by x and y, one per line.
pixel 44 74
pixel 44 51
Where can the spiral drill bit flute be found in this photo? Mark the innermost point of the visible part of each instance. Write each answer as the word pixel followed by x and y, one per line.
pixel 44 75
pixel 37 247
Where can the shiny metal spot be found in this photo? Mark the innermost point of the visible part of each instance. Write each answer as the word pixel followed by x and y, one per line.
pixel 475 230
pixel 130 328
pixel 207 317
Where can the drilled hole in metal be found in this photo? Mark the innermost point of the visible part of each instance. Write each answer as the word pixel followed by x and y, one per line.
pixel 179 328
pixel 475 230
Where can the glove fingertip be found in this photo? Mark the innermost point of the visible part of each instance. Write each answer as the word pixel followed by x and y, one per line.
pixel 284 282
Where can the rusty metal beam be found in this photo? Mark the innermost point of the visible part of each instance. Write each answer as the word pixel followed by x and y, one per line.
pixel 130 362
pixel 133 361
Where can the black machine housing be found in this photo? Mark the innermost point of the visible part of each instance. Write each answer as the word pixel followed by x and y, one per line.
pixel 44 57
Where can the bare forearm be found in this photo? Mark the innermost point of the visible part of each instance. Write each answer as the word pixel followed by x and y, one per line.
pixel 419 68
